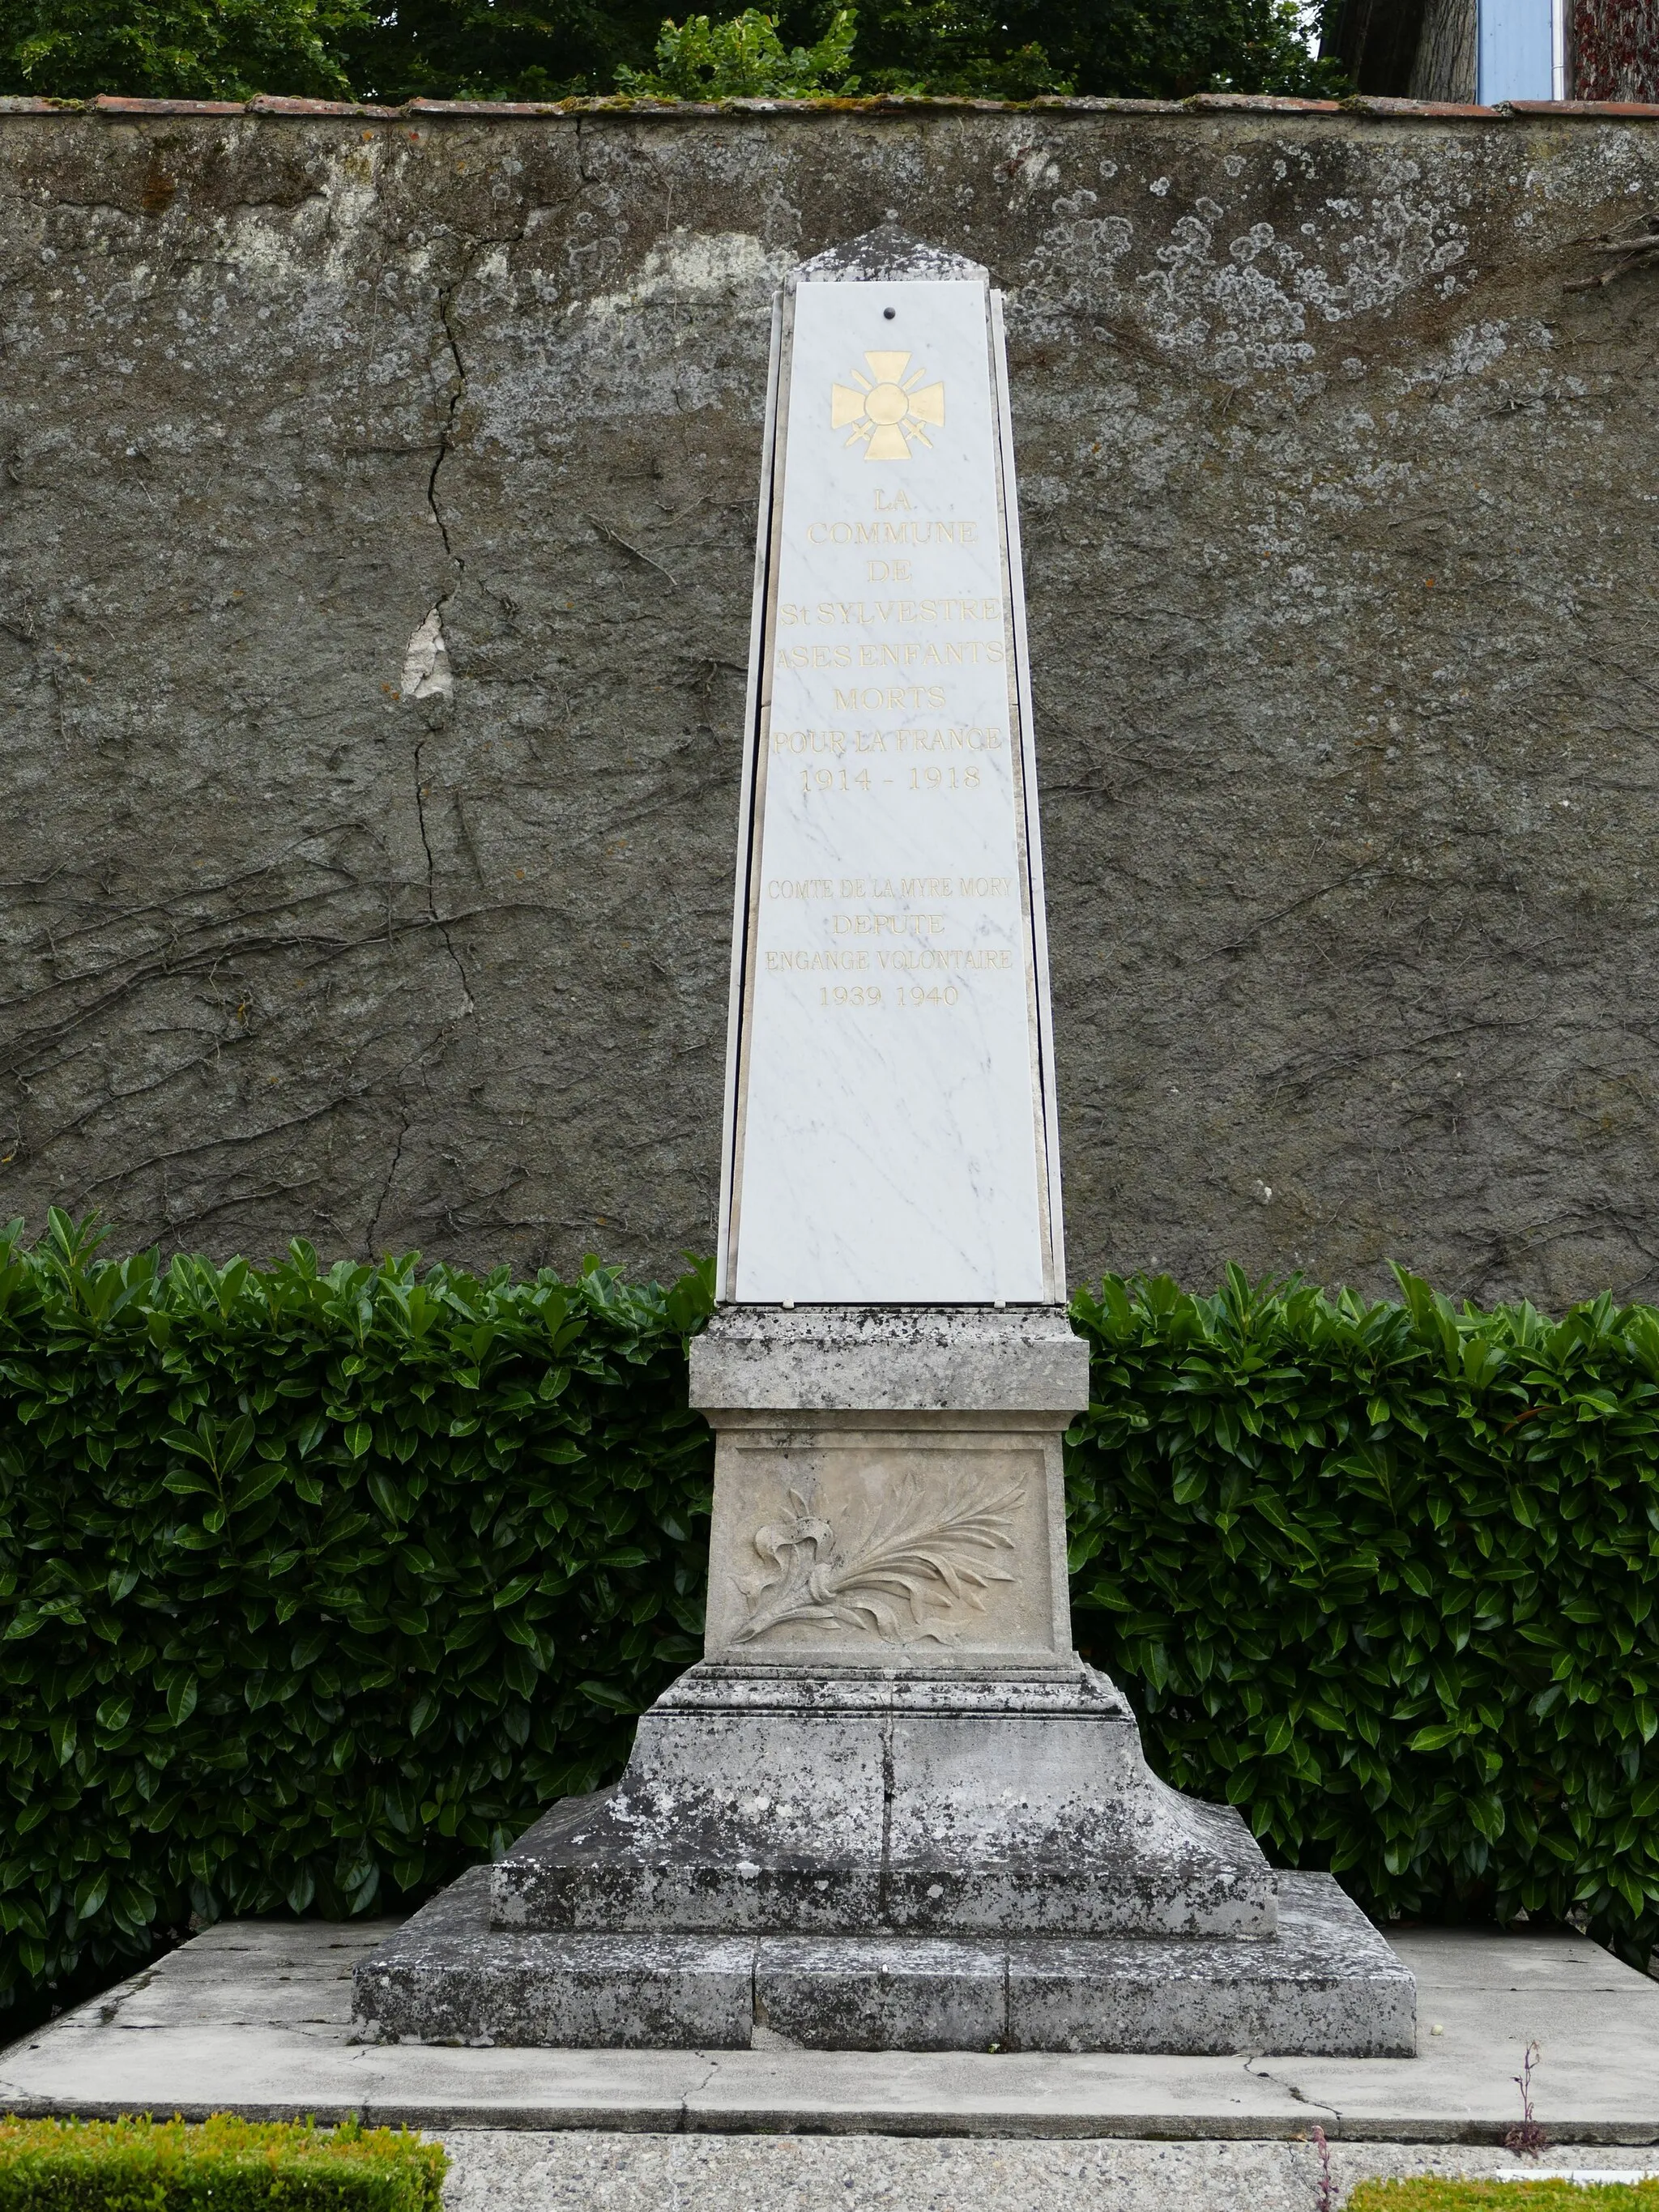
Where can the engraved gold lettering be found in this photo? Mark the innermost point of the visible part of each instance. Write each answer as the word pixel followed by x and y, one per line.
pixel 873 614
pixel 808 741
pixel 917 887
pixel 939 956
pixel 887 925
pixel 858 995
pixel 898 696
pixel 835 779
pixel 964 653
pixel 968 737
pixel 850 961
pixel 892 533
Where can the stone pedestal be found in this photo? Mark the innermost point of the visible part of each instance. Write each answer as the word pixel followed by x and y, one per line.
pixel 891 1809
pixel 888 1485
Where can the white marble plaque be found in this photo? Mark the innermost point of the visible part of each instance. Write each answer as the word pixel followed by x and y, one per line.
pixel 889 1129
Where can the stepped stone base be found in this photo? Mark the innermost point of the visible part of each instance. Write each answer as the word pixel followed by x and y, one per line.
pixel 773 1802
pixel 1326 1983
pixel 886 1864
pixel 891 1809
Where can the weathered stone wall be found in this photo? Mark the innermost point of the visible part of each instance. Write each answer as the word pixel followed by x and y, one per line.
pixel 1341 517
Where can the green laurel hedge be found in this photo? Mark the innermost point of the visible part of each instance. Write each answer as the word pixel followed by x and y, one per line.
pixel 1385 1576
pixel 315 1586
pixel 224 2165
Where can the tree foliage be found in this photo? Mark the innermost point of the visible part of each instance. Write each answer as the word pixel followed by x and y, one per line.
pixel 496 48
pixel 552 49
pixel 1126 49
pixel 745 58
pixel 177 49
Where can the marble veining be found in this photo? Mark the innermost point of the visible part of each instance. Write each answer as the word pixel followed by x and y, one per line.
pixel 891 1143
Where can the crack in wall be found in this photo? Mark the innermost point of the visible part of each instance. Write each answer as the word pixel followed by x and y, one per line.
pixel 457 571
pixel 446 435
pixel 587 175
pixel 437 920
pixel 391 1178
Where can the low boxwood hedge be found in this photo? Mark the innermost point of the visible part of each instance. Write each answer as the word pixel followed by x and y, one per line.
pixel 1437 2192
pixel 315 1585
pixel 224 2165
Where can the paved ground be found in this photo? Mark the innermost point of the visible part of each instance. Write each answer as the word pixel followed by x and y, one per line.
pixel 256 2015
pixel 583 2171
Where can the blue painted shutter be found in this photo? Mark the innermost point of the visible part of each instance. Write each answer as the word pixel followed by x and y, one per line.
pixel 1516 50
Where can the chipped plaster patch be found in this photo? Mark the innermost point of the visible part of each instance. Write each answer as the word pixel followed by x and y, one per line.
pixel 697 265
pixel 426 664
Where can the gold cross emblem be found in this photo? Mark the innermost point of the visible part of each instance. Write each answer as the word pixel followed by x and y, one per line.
pixel 887 411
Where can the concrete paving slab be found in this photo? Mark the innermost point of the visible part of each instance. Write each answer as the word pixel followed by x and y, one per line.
pixel 1596 2022
pixel 254 2016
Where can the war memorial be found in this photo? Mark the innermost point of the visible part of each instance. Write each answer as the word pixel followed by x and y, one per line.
pixel 892 1808
pixel 888 1862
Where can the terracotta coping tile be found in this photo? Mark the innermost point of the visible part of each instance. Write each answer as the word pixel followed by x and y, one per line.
pixel 111 103
pixel 1262 103
pixel 275 103
pixel 1590 109
pixel 1377 103
pixel 623 107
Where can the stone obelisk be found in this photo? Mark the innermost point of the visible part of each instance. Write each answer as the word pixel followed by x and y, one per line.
pixel 891 1808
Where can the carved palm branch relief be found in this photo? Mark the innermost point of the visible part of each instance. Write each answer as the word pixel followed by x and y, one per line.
pixel 928 1559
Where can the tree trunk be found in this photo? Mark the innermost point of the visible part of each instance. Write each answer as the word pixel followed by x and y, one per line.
pixel 1374 42
pixel 1444 67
